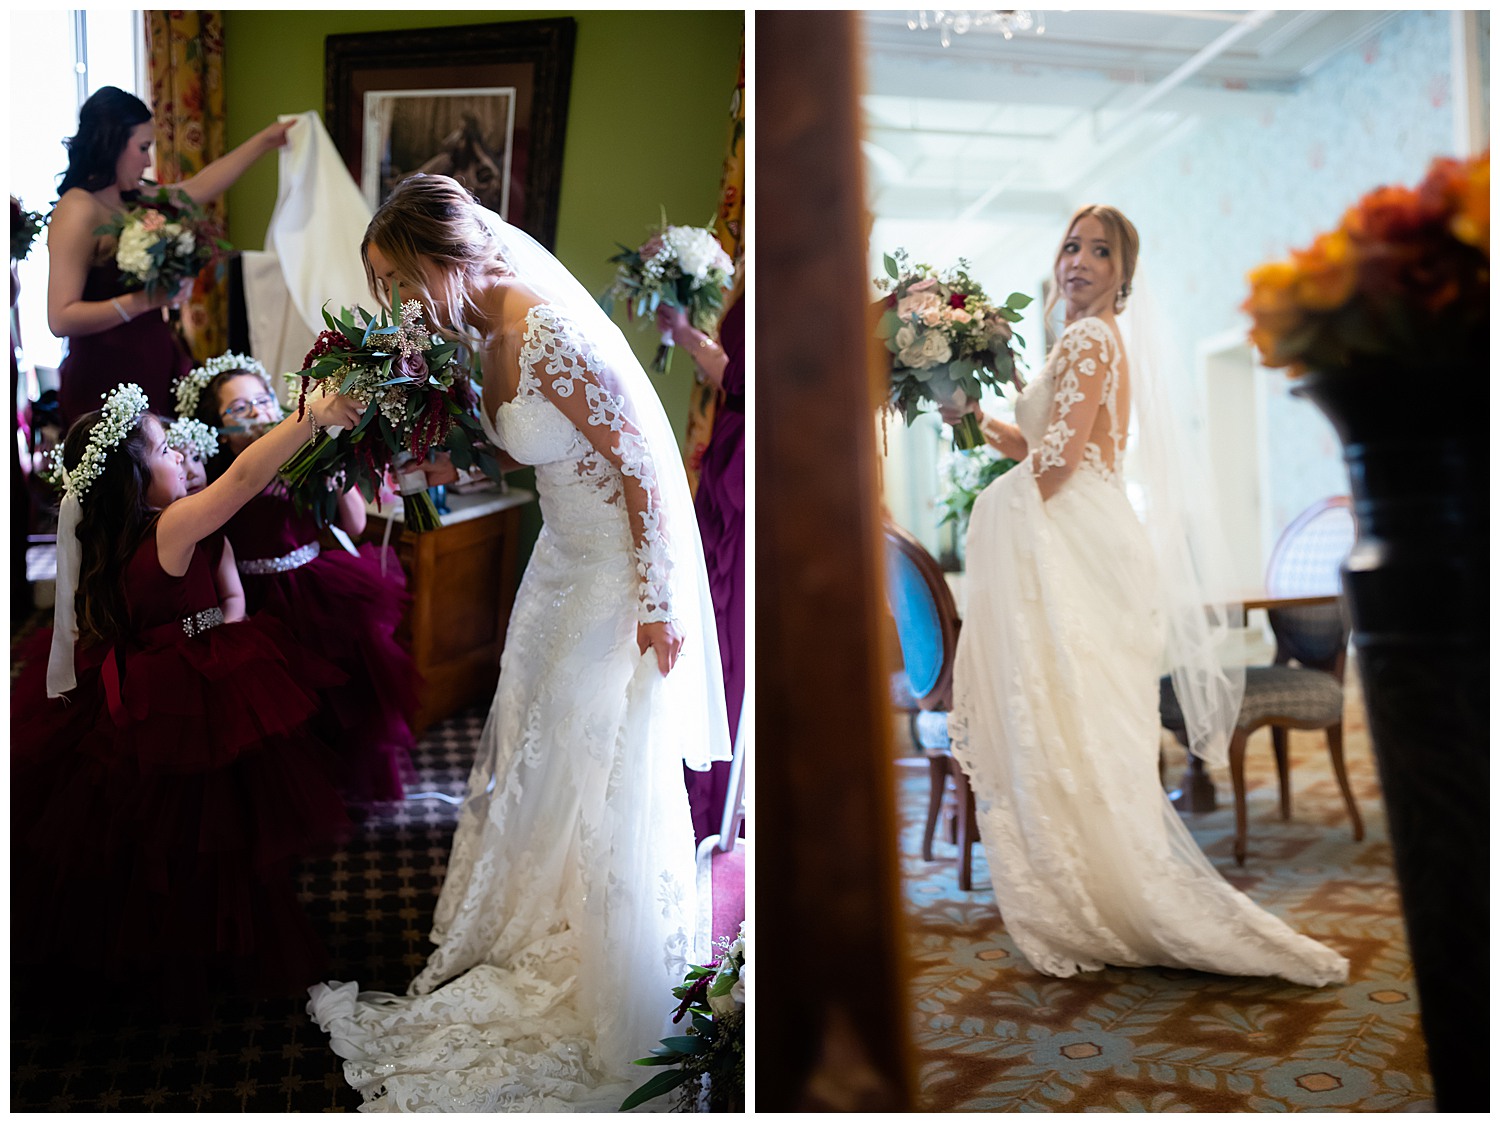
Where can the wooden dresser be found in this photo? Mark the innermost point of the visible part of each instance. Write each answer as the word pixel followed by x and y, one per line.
pixel 461 578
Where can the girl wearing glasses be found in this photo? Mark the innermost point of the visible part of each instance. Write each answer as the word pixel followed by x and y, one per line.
pixel 336 602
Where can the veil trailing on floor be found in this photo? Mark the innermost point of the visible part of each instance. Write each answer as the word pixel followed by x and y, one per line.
pixel 1171 462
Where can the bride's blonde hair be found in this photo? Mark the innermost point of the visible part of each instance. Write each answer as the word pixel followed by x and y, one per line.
pixel 1124 248
pixel 433 216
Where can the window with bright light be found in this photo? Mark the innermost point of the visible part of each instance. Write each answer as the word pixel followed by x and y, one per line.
pixel 57 59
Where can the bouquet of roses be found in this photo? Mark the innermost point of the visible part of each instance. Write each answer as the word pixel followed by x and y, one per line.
pixel 946 338
pixel 679 266
pixel 419 398
pixel 24 227
pixel 163 239
pixel 713 1048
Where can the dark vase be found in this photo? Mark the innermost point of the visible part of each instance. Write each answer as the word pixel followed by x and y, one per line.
pixel 1417 587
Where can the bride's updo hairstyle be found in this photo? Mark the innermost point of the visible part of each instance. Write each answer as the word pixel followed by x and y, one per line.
pixel 1124 248
pixel 433 216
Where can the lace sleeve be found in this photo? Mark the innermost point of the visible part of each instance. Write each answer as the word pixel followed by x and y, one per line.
pixel 1086 353
pixel 564 368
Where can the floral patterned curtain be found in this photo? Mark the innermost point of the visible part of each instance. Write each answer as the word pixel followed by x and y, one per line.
pixel 186 53
pixel 729 225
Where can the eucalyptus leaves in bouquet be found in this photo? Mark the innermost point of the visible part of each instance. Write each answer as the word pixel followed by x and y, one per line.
pixel 706 1064
pixel 164 238
pixel 947 339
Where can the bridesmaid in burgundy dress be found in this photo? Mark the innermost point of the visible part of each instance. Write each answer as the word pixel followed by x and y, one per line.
pixel 720 505
pixel 338 604
pixel 165 778
pixel 112 331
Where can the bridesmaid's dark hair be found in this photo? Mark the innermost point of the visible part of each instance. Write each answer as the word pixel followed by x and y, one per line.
pixel 114 521
pixel 104 125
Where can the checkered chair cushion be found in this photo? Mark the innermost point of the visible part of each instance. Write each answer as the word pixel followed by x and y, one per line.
pixel 1294 694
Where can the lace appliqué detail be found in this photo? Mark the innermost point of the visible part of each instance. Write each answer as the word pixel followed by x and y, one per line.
pixel 552 346
pixel 1086 349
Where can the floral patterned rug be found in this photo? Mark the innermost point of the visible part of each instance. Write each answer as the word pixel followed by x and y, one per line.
pixel 992 1034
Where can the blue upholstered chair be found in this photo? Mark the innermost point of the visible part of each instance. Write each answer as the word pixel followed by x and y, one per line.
pixel 1303 688
pixel 927 626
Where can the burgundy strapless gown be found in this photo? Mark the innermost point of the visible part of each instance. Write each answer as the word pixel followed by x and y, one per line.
pixel 145 351
pixel 157 811
pixel 720 505
pixel 341 607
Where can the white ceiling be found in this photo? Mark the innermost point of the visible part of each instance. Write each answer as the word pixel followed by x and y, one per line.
pixel 989 140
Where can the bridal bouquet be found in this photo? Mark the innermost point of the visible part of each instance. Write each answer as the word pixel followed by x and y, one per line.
pixel 1405 275
pixel 679 266
pixel 163 240
pixel 713 1048
pixel 419 398
pixel 946 338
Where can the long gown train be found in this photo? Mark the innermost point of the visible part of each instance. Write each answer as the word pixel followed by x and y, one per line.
pixel 1056 725
pixel 568 909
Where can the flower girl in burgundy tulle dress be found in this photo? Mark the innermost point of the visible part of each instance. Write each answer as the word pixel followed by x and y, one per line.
pixel 338 603
pixel 164 779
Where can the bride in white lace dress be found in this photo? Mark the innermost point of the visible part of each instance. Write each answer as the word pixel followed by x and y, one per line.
pixel 1055 717
pixel 568 910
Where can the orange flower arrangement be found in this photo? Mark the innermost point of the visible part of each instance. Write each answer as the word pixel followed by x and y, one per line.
pixel 1406 275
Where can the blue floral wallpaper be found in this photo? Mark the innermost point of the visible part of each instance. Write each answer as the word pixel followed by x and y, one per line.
pixel 1237 192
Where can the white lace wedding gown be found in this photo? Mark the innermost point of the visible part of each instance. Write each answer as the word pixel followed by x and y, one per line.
pixel 1055 717
pixel 568 908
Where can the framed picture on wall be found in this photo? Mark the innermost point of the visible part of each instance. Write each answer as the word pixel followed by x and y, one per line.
pixel 484 103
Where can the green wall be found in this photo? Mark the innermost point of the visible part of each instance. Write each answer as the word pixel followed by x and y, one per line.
pixel 647 128
pixel 647 124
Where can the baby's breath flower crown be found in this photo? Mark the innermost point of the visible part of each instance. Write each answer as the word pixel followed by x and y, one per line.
pixel 123 408
pixel 189 434
pixel 189 388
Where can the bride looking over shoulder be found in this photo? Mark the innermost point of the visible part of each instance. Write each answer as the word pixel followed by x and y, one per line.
pixel 1071 603
pixel 567 914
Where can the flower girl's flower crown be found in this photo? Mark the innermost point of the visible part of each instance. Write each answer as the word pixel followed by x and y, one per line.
pixel 123 409
pixel 190 386
pixel 189 433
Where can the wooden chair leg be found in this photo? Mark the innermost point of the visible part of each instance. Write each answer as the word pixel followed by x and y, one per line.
pixel 1279 737
pixel 968 830
pixel 937 769
pixel 1335 735
pixel 1237 778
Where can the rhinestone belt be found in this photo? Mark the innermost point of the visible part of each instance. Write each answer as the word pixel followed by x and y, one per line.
pixel 200 622
pixel 258 567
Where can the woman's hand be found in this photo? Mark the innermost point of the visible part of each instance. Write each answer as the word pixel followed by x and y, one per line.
pixel 274 134
pixel 335 410
pixel 953 412
pixel 664 637
pixel 440 470
pixel 673 321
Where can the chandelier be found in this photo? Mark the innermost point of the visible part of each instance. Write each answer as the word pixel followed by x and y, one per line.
pixel 950 24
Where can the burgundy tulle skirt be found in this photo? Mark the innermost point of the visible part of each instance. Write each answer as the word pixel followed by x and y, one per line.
pixel 345 610
pixel 154 839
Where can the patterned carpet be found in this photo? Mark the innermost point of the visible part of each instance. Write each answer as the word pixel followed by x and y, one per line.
pixel 371 901
pixel 992 1034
